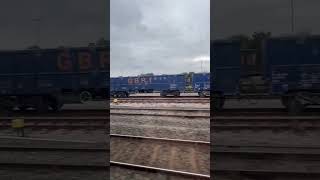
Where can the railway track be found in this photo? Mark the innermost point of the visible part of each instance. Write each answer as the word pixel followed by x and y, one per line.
pixel 160 109
pixel 264 153
pixel 102 112
pixel 178 123
pixel 163 100
pixel 264 162
pixel 63 113
pixel 181 96
pixel 226 112
pixel 46 154
pixel 250 121
pixel 258 123
pixel 58 122
pixel 156 172
pixel 161 112
pixel 169 156
pixel 264 112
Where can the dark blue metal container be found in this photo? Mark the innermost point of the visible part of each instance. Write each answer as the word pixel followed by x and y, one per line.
pixel 54 71
pixel 226 67
pixel 292 64
pixel 201 82
pixel 148 83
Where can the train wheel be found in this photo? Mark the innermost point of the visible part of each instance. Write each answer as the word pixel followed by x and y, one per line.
pixel 201 94
pixel 56 105
pixel 85 96
pixel 23 108
pixel 55 102
pixel 285 101
pixel 295 107
pixel 218 102
pixel 123 95
pixel 7 105
pixel 42 105
pixel 163 94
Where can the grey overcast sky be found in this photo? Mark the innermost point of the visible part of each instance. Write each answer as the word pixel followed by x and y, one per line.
pixel 230 17
pixel 160 37
pixel 62 22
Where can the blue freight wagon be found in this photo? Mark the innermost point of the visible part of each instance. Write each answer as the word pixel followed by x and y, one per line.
pixel 43 78
pixel 165 84
pixel 291 71
pixel 201 84
pixel 226 67
pixel 225 72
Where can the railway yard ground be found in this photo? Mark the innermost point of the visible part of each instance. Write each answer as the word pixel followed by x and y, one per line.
pixel 163 139
pixel 160 138
pixel 70 144
pixel 258 140
pixel 251 140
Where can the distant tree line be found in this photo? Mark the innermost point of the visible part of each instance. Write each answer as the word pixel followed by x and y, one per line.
pixel 251 42
pixel 99 42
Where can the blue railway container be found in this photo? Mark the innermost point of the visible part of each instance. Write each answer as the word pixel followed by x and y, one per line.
pixel 293 64
pixel 291 71
pixel 293 68
pixel 201 83
pixel 166 84
pixel 225 73
pixel 45 78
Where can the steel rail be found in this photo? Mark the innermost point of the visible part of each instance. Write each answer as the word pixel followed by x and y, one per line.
pixel 159 170
pixel 160 139
pixel 160 115
pixel 58 166
pixel 158 109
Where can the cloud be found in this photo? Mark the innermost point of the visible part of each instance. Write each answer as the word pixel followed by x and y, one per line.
pixel 231 17
pixel 160 37
pixel 62 22
pixel 202 59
